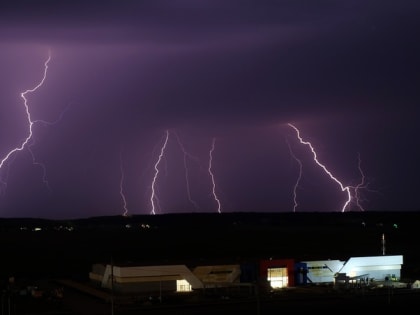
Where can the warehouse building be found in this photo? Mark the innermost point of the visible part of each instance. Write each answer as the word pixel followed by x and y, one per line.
pixel 271 273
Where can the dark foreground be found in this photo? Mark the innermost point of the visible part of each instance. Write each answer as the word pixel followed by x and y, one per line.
pixel 385 301
pixel 36 251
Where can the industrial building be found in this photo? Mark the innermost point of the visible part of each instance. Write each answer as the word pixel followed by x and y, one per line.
pixel 271 273
pixel 372 268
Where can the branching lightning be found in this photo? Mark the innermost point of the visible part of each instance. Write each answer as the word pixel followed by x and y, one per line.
pixel 31 143
pixel 153 197
pixel 125 213
pixel 361 185
pixel 26 143
pixel 212 175
pixel 295 187
pixel 346 189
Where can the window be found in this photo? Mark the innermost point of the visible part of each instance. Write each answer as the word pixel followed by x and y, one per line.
pixel 277 277
pixel 183 286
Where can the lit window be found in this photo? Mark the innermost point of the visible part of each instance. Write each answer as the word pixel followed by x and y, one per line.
pixel 277 277
pixel 183 286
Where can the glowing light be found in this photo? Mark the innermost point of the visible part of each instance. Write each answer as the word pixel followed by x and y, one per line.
pixel 295 187
pixel 28 114
pixel 125 212
pixel 153 197
pixel 186 156
pixel 345 189
pixel 212 175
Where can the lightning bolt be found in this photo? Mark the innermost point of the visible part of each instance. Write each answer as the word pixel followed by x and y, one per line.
pixel 41 165
pixel 186 157
pixel 346 189
pixel 31 143
pixel 212 175
pixel 125 213
pixel 361 185
pixel 28 139
pixel 153 197
pixel 3 181
pixel 295 187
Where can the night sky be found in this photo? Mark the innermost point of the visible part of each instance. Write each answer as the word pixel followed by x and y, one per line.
pixel 223 79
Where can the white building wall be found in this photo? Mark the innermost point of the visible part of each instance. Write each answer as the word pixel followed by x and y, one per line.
pixel 322 271
pixel 149 273
pixel 377 267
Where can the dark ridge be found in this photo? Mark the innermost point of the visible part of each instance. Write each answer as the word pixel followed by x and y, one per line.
pixel 236 218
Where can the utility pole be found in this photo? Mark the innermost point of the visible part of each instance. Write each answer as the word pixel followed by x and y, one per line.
pixel 383 244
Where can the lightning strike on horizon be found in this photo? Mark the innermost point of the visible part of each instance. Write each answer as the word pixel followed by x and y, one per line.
pixel 343 188
pixel 185 157
pixel 153 195
pixel 295 187
pixel 125 213
pixel 212 175
pixel 361 185
pixel 28 114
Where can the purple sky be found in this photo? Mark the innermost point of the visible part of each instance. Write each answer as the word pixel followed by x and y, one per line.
pixel 346 73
